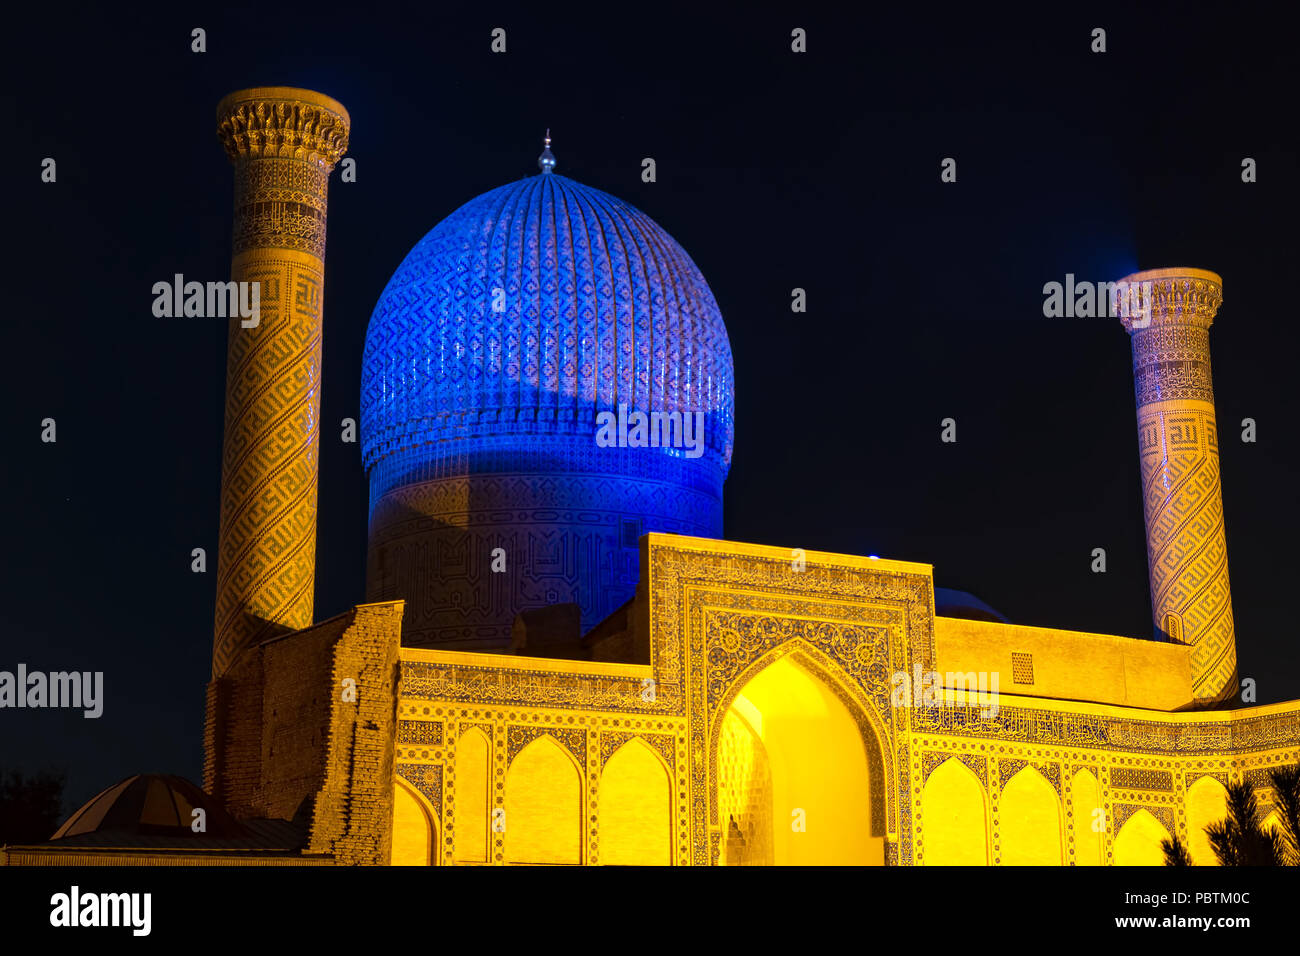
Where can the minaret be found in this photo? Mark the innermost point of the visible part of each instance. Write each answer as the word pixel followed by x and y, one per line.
pixel 283 143
pixel 1168 313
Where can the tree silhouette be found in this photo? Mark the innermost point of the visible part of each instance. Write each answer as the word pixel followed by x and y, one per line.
pixel 1175 851
pixel 1286 797
pixel 31 807
pixel 1241 838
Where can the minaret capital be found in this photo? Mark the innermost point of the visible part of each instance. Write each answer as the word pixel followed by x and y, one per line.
pixel 1168 297
pixel 283 122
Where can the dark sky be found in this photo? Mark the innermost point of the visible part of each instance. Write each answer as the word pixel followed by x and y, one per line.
pixel 775 170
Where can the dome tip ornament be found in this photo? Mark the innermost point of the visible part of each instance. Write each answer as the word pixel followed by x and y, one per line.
pixel 546 161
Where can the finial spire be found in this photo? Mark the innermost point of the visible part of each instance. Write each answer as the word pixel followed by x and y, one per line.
pixel 546 161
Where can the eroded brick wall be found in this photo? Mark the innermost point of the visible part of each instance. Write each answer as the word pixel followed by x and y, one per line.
pixel 354 810
pixel 296 715
pixel 233 761
pixel 282 727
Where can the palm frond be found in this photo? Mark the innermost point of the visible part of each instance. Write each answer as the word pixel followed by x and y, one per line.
pixel 1175 851
pixel 1286 790
pixel 1224 843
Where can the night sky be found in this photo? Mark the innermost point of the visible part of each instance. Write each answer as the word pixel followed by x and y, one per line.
pixel 774 171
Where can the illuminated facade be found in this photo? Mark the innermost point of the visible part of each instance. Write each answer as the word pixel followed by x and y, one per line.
pixel 722 703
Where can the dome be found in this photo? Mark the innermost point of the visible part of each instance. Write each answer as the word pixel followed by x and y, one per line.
pixel 952 603
pixel 522 316
pixel 155 804
pixel 546 377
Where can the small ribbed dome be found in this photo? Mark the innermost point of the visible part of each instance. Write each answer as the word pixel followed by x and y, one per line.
pixel 521 316
pixel 952 603
pixel 155 804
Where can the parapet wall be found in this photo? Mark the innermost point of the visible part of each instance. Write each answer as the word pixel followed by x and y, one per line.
pixel 1066 665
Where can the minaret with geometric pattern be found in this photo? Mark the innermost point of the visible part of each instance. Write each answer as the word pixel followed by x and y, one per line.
pixel 283 143
pixel 1168 313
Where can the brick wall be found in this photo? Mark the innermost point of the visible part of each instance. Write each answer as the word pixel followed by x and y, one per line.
pixel 233 760
pixel 278 731
pixel 354 810
pixel 296 715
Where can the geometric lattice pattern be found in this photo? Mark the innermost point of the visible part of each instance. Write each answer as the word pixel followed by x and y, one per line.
pixel 1123 811
pixel 662 743
pixel 1179 453
pixel 529 310
pixel 427 779
pixel 1022 668
pixel 1135 778
pixel 267 541
pixel 419 732
pixel 283 144
pixel 572 739
pixel 1187 550
pixel 1050 772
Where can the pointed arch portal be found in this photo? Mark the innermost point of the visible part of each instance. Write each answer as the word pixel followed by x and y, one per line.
pixel 792 775
pixel 415 832
pixel 543 811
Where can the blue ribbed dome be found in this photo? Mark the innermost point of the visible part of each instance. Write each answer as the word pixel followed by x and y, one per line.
pixel 523 315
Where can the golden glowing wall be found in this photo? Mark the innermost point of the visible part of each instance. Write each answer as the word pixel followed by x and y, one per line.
pixel 1066 665
pixel 1087 816
pixel 1108 782
pixel 1207 802
pixel 414 833
pixel 538 785
pixel 542 821
pixel 473 781
pixel 636 808
pixel 744 791
pixel 1138 841
pixel 498 759
pixel 549 761
pixel 953 816
pixel 1029 814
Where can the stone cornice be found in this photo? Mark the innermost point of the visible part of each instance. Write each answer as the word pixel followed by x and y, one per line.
pixel 1178 296
pixel 283 122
